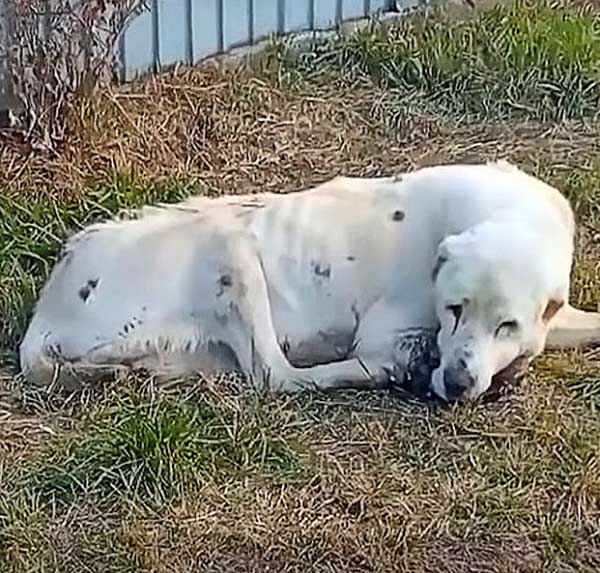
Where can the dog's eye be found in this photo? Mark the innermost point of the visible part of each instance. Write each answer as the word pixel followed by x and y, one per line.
pixel 456 310
pixel 507 327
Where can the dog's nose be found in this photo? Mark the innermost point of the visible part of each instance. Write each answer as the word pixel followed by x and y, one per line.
pixel 457 381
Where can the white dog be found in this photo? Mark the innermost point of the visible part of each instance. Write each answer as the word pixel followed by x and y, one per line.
pixel 315 287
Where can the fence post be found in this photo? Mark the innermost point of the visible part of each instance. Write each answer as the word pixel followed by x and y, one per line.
pixel 311 14
pixel 280 16
pixel 220 27
pixel 250 11
pixel 189 33
pixel 155 36
pixel 8 100
pixel 46 20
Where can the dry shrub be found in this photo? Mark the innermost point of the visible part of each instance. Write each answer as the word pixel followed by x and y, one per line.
pixel 60 49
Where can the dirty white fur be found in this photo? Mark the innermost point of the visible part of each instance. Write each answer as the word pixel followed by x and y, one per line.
pixel 312 288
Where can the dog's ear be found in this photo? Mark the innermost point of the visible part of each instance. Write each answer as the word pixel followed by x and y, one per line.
pixel 443 254
pixel 552 307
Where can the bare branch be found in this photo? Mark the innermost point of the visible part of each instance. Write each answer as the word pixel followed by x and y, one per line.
pixel 60 50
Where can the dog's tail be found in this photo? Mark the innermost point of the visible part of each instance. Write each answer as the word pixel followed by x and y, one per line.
pixel 574 328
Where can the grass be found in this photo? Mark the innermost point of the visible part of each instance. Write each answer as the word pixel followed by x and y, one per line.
pixel 159 450
pixel 527 59
pixel 203 474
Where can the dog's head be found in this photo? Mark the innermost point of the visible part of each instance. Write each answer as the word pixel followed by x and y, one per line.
pixel 496 291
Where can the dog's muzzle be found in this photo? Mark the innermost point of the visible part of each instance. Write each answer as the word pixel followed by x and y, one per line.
pixel 457 382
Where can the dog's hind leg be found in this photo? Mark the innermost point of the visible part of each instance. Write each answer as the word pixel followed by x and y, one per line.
pixel 243 308
pixel 574 328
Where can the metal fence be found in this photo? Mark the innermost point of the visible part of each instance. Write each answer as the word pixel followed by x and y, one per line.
pixel 187 31
pixel 190 30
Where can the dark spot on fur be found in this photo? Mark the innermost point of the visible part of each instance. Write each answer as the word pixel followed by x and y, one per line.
pixel 322 271
pixel 55 352
pixel 285 346
pixel 398 215
pixel 234 311
pixel 350 258
pixel 252 205
pixel 84 293
pixel 129 326
pixel 225 281
pixel 86 290
pixel 437 266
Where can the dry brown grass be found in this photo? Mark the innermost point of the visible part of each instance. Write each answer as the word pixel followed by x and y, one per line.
pixel 361 481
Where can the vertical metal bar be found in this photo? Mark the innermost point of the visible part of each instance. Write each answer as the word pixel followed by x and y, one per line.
pixel 155 36
pixel 367 7
pixel 122 57
pixel 220 27
pixel 7 101
pixel 280 16
pixel 339 11
pixel 86 40
pixel 311 14
pixel 189 33
pixel 46 21
pixel 250 11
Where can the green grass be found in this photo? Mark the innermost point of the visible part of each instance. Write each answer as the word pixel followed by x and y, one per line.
pixel 527 60
pixel 159 450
